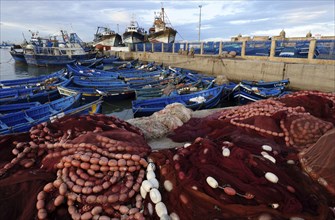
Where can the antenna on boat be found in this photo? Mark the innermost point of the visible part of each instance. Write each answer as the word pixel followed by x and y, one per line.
pixel 162 11
pixel 25 40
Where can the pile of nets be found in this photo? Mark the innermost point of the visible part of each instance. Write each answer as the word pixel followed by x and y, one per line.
pixel 162 122
pixel 243 162
pixel 75 168
pixel 271 159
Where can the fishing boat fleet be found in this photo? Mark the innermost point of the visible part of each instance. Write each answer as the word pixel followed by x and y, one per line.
pixel 81 89
pixel 65 48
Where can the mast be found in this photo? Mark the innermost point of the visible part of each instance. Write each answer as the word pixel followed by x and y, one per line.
pixel 163 14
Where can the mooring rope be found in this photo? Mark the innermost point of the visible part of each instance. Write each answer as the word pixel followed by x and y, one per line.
pixel 7 61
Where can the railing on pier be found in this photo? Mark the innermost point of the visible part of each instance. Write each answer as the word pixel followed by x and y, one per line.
pixel 310 49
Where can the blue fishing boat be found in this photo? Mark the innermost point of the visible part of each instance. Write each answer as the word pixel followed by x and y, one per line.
pixel 35 81
pixel 107 94
pixel 90 62
pixel 84 82
pixel 50 51
pixel 85 71
pixel 24 120
pixel 139 74
pixel 97 79
pixel 40 94
pixel 17 53
pixel 90 108
pixel 244 94
pixel 10 108
pixel 204 99
pixel 264 84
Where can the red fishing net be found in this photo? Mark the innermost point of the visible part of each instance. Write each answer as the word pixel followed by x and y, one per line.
pixel 251 152
pixel 79 167
pixel 318 161
pixel 241 163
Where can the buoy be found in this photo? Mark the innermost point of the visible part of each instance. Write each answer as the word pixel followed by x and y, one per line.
pixel 187 145
pixel 143 192
pixel 150 174
pixel 225 152
pixel 154 182
pixel 174 216
pixel 155 196
pixel 264 153
pixel 168 185
pixel 275 205
pixel 147 185
pixel 212 182
pixel 267 147
pixel 271 177
pixel 269 157
pixel 161 209
pixel 151 166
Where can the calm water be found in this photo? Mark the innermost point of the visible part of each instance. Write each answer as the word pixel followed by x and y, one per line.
pixel 11 70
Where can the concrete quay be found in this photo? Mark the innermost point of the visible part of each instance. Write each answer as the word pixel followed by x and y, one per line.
pixel 303 74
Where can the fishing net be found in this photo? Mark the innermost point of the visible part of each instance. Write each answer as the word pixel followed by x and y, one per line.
pixel 291 120
pixel 251 152
pixel 318 161
pixel 245 191
pixel 240 163
pixel 77 167
pixel 162 122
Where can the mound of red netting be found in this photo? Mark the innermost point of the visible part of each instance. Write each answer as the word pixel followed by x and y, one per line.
pixel 75 168
pixel 243 162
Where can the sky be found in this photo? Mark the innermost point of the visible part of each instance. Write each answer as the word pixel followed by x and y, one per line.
pixel 220 20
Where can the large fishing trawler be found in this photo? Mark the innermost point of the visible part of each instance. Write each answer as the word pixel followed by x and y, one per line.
pixel 160 31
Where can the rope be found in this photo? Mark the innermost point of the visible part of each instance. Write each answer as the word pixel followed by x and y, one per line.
pixel 8 61
pixel 173 27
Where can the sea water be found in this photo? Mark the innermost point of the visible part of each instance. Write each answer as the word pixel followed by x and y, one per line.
pixel 9 69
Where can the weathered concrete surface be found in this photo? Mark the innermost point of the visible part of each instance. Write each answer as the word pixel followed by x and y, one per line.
pixel 302 76
pixel 311 77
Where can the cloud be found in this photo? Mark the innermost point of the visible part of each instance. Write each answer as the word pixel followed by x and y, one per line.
pixel 249 21
pixel 219 19
pixel 302 16
pixel 325 29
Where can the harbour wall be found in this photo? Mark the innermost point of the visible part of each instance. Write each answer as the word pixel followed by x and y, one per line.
pixel 302 75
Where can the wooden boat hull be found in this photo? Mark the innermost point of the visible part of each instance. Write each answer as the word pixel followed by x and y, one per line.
pixel 166 36
pixel 244 94
pixel 116 83
pixel 91 94
pixel 10 108
pixel 132 37
pixel 51 60
pixel 34 81
pixel 85 71
pixel 271 84
pixel 106 42
pixel 147 107
pixel 24 120
pixel 18 56
pixel 40 94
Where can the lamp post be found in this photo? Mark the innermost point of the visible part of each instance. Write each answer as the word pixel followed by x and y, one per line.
pixel 200 6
